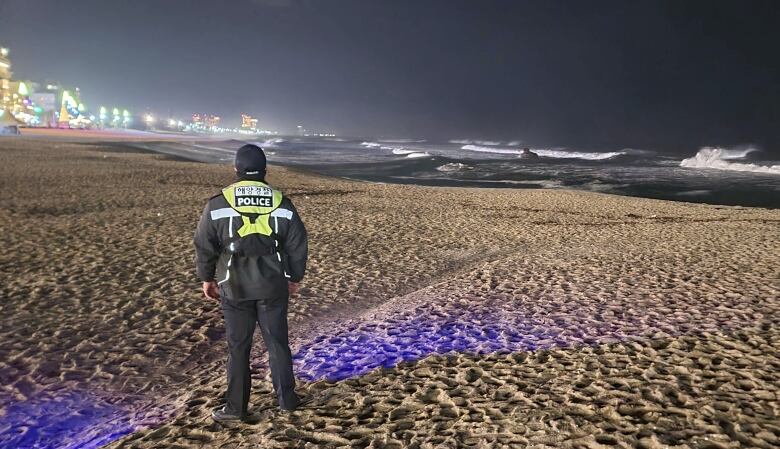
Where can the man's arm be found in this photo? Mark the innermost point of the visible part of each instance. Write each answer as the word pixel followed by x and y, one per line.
pixel 296 246
pixel 207 247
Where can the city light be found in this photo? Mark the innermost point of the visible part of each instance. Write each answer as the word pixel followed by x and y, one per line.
pixel 115 117
pixel 50 104
pixel 248 123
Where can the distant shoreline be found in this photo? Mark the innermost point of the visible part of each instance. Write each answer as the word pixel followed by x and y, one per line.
pixel 219 149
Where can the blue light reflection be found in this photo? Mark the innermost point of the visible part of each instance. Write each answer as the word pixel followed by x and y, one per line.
pixel 356 351
pixel 64 419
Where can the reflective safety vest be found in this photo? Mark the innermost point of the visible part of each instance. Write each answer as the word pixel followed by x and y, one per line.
pixel 253 199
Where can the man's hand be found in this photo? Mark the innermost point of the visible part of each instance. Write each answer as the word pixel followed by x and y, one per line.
pixel 211 290
pixel 293 287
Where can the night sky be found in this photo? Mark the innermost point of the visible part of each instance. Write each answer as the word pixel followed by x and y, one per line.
pixel 660 75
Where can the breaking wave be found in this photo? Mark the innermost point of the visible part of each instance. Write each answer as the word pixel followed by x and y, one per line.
pixel 559 154
pixel 401 141
pixel 396 150
pixel 478 142
pixel 270 142
pixel 718 159
pixel 453 167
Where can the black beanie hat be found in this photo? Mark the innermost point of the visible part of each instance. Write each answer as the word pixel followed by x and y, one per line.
pixel 250 163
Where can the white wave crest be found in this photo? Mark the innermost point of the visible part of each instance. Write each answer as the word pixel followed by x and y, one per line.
pixel 489 150
pixel 560 154
pixel 453 167
pixel 269 142
pixel 402 151
pixel 371 144
pixel 694 192
pixel 578 154
pixel 717 158
pixel 401 141
pixel 489 143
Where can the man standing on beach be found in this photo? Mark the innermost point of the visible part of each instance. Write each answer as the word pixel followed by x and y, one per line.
pixel 250 253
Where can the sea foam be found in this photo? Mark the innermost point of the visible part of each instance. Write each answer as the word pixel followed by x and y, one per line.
pixel 718 159
pixel 478 142
pixel 560 154
pixel 270 142
pixel 401 141
pixel 453 167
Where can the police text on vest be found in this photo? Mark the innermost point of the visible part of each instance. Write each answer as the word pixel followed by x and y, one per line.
pixel 261 201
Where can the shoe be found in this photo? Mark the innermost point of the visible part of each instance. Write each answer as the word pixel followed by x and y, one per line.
pixel 303 401
pixel 219 414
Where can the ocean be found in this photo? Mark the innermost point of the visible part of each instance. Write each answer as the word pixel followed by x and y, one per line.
pixel 742 176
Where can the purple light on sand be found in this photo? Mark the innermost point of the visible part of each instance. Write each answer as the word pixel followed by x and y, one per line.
pixel 401 332
pixel 62 420
pixel 409 337
pixel 426 326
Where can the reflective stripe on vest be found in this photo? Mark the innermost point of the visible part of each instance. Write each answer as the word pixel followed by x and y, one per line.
pixel 253 197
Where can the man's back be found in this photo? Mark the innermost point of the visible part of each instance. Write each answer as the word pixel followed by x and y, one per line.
pixel 253 266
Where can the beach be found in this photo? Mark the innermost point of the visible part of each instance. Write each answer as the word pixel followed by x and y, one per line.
pixel 429 316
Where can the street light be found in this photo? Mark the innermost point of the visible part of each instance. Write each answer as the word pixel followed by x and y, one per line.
pixel 115 117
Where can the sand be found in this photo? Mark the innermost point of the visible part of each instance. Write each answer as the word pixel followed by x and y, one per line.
pixel 430 317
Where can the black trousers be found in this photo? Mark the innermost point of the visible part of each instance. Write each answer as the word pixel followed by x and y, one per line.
pixel 241 318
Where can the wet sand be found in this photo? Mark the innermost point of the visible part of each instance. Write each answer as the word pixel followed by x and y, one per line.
pixel 430 317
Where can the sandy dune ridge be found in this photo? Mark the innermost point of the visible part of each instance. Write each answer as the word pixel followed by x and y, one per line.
pixel 616 321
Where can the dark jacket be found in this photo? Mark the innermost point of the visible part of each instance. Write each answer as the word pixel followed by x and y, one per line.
pixel 244 269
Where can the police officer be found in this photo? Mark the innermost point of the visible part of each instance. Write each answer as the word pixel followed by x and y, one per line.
pixel 251 250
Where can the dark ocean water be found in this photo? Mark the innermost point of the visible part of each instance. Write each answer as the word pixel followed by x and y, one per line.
pixel 739 176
